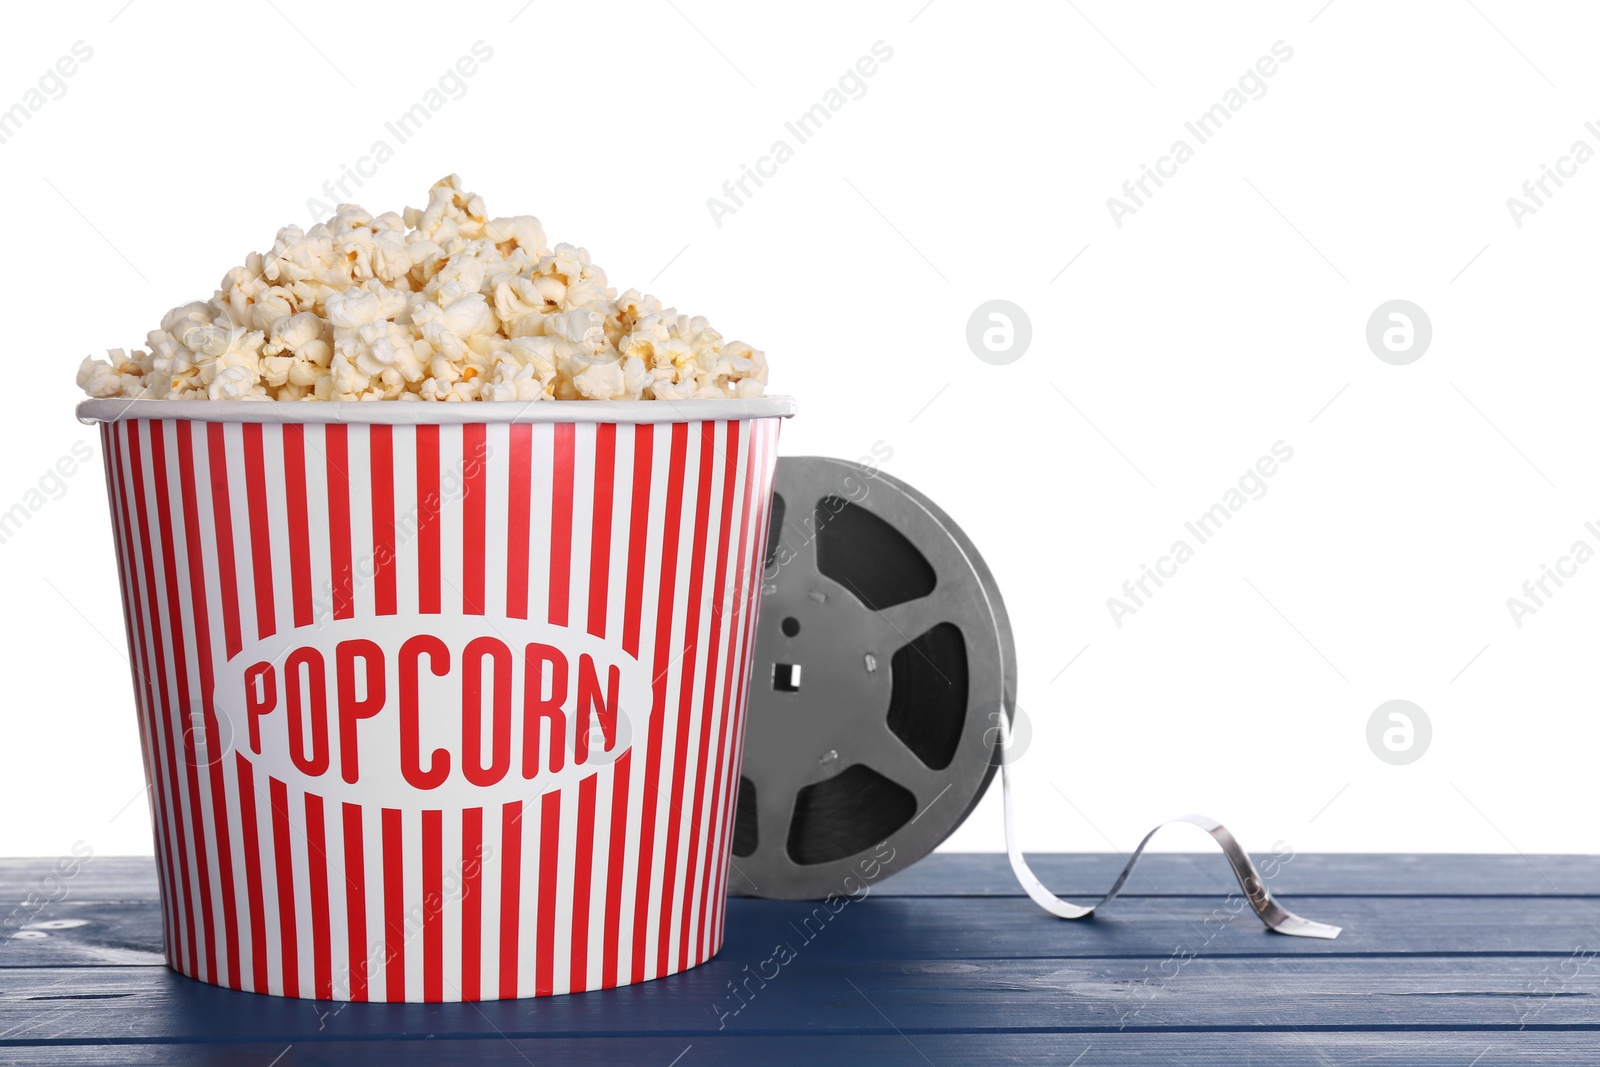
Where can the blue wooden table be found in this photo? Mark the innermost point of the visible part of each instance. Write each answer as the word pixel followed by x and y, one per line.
pixel 1461 960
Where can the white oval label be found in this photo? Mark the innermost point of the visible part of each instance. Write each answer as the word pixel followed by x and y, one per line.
pixel 436 711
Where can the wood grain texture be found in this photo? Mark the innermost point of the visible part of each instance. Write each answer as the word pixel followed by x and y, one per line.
pixel 1206 1049
pixel 1088 875
pixel 1445 960
pixel 80 933
pixel 986 874
pixel 825 995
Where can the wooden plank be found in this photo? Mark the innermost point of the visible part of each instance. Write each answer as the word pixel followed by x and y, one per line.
pixel 1212 1049
pixel 85 934
pixel 876 927
pixel 817 994
pixel 886 927
pixel 95 878
pixel 1085 875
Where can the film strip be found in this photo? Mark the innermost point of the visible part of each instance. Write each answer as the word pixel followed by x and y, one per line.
pixel 883 696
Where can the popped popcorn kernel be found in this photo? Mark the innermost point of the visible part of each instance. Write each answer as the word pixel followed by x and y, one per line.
pixel 442 303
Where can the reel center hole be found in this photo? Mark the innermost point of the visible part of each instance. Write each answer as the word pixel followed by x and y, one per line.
pixel 791 626
pixel 786 677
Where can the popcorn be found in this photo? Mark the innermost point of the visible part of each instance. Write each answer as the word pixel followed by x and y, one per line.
pixel 441 303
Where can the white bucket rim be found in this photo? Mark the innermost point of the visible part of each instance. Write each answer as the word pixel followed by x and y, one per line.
pixel 422 413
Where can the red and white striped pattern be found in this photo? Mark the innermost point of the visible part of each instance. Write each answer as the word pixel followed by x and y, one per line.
pixel 648 535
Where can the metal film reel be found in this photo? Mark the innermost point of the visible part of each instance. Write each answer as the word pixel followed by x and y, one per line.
pixel 883 660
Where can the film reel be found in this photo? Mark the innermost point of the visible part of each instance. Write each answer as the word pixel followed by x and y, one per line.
pixel 883 663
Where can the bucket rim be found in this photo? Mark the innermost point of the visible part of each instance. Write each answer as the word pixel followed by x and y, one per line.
pixel 397 413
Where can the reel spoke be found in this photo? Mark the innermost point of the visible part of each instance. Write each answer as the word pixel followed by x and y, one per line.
pixel 888 755
pixel 774 813
pixel 904 623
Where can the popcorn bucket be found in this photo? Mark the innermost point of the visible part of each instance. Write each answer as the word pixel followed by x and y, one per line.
pixel 440 701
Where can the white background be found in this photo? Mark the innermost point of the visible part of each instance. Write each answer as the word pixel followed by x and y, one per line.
pixel 1227 314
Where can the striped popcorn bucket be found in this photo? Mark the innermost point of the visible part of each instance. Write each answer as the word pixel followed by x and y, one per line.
pixel 440 702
